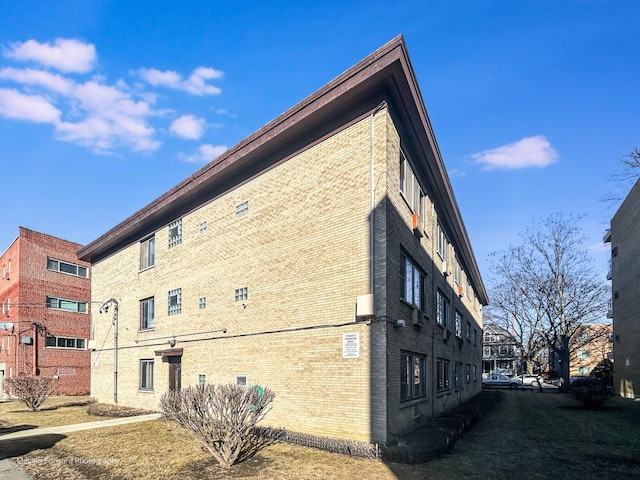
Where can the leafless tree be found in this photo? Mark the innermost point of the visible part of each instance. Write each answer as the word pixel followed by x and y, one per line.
pixel 546 290
pixel 222 418
pixel 32 390
pixel 624 180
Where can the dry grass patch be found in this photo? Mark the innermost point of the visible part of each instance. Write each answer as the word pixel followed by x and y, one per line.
pixel 64 410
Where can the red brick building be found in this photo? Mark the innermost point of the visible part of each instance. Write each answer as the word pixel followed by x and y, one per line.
pixel 45 321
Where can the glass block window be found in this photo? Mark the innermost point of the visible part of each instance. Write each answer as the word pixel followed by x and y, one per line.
pixel 175 233
pixel 241 294
pixel 242 209
pixel 174 301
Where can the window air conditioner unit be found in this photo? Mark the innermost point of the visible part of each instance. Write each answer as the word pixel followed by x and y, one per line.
pixel 416 317
pixel 445 333
pixel 91 344
pixel 415 225
pixel 460 292
pixel 400 323
pixel 445 269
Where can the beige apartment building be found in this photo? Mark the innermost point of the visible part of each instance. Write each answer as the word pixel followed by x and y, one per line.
pixel 624 237
pixel 324 257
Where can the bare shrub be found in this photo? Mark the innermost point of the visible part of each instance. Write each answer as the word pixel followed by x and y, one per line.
pixel 222 418
pixel 32 390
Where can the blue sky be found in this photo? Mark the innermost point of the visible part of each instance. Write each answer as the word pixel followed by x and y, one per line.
pixel 105 105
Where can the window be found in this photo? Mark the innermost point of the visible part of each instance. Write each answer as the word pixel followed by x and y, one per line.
pixel 202 379
pixel 443 375
pixel 475 336
pixel 457 274
pixel 241 294
pixel 241 380
pixel 147 253
pixel 66 267
pixel 147 313
pixel 70 305
pixel 469 331
pixel 175 233
pixel 473 372
pixel 443 244
pixel 413 376
pixel 65 342
pixel 442 309
pixel 457 375
pixel 202 303
pixel 146 374
pixel 174 302
pixel 412 284
pixel 458 324
pixel 242 209
pixel 203 227
pixel 583 371
pixel 468 373
pixel 583 354
pixel 410 187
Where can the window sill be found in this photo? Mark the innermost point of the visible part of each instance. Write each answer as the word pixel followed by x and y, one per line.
pixel 413 401
pixel 144 390
pixel 148 268
pixel 147 330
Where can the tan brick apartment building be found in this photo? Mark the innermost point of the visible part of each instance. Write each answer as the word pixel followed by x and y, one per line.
pixel 324 256
pixel 45 323
pixel 624 237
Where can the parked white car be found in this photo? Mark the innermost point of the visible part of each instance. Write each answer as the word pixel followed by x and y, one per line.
pixel 499 380
pixel 531 380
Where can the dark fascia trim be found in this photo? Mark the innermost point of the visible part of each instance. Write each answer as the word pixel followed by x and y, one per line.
pixel 387 70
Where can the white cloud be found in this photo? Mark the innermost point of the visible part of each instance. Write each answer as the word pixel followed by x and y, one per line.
pixel 533 151
pixel 204 154
pixel 195 84
pixel 39 78
pixel 188 126
pixel 94 112
pixel 66 55
pixel 34 108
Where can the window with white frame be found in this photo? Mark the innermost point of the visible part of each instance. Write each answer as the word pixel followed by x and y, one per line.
pixel 457 274
pixel 174 302
pixel 202 303
pixel 203 227
pixel 443 374
pixel 442 309
pixel 443 244
pixel 174 236
pixel 412 283
pixel 241 294
pixel 458 324
pixel 241 380
pixel 147 253
pixel 413 376
pixel 410 187
pixel 146 374
pixel 242 209
pixel 64 304
pixel 147 313
pixel 65 342
pixel 67 267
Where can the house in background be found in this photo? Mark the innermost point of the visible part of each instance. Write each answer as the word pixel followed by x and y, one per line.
pixel 45 294
pixel 589 347
pixel 624 237
pixel 324 256
pixel 500 352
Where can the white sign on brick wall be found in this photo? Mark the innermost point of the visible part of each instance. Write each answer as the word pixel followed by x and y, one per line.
pixel 350 345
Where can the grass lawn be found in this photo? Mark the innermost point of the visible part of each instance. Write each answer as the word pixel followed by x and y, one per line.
pixel 527 434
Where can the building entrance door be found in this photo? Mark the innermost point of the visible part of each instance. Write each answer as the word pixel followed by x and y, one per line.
pixel 175 373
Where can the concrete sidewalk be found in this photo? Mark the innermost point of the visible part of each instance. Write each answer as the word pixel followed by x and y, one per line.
pixel 10 470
